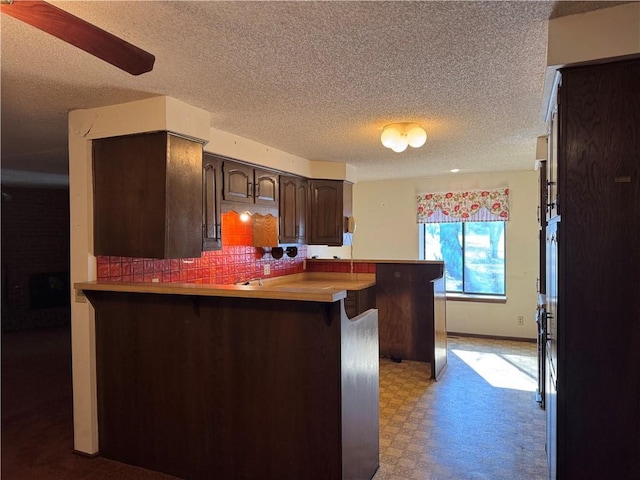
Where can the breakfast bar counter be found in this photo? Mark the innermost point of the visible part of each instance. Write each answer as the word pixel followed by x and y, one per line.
pixel 314 287
pixel 266 380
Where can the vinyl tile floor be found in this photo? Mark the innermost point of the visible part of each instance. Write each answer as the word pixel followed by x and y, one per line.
pixel 480 421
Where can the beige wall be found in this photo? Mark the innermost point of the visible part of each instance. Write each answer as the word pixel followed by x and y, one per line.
pixel 606 33
pixel 239 148
pixel 385 212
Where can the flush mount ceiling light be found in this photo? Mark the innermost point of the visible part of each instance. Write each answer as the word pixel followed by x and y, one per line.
pixel 399 136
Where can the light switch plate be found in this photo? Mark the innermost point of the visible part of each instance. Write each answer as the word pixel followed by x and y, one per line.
pixel 267 269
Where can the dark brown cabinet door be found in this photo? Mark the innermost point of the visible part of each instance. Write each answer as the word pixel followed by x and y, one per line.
pixel 550 349
pixel 245 184
pixel 288 204
pixel 147 196
pixel 330 204
pixel 594 262
pixel 542 224
pixel 551 198
pixel 293 209
pixel 266 187
pixel 211 202
pixel 238 182
pixel 302 207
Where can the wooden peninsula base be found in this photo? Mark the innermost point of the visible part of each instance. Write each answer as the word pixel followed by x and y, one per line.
pixel 412 307
pixel 204 386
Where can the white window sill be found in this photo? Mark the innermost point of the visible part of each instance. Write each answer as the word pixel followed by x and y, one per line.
pixel 464 297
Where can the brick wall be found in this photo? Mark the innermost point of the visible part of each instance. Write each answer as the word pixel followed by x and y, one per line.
pixel 35 239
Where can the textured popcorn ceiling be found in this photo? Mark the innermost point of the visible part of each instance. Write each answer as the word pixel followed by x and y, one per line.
pixel 315 79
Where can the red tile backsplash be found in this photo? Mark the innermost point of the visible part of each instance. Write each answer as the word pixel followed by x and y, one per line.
pixel 342 267
pixel 226 266
pixel 237 261
pixel 235 231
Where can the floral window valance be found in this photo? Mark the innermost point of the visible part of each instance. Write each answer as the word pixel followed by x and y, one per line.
pixel 474 206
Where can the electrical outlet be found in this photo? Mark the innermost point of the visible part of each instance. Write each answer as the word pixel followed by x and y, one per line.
pixel 267 269
pixel 520 320
pixel 80 296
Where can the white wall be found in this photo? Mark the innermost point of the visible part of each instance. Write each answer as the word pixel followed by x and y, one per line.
pixel 386 217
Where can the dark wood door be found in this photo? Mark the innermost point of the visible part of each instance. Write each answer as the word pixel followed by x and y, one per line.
pixel 211 202
pixel 542 225
pixel 551 410
pixel 598 311
pixel 551 256
pixel 238 182
pixel 326 214
pixel 552 166
pixel 287 212
pixel 551 346
pixel 265 187
pixel 302 202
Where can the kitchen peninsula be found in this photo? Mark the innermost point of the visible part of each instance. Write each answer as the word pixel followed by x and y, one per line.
pixel 252 382
pixel 411 302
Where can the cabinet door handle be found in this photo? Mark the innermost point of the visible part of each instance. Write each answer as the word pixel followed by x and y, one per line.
pixel 256 190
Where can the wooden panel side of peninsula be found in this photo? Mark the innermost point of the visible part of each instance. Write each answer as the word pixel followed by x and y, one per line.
pixel 237 387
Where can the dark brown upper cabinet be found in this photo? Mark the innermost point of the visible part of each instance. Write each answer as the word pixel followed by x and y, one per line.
pixel 302 209
pixel 293 209
pixel 245 184
pixel 147 192
pixel 211 202
pixel 265 187
pixel 330 204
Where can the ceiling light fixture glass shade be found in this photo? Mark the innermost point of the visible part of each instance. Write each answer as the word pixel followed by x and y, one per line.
pixel 401 145
pixel 398 136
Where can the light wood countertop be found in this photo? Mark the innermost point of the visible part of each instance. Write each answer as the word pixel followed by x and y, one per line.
pixel 359 260
pixel 312 287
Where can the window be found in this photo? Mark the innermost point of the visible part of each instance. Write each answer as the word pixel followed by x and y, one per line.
pixel 473 253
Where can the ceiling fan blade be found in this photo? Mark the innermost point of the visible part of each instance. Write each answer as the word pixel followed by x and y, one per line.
pixel 82 34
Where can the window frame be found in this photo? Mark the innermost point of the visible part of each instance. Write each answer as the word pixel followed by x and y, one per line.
pixel 466 296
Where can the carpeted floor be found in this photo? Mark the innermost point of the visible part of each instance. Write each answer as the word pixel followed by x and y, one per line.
pixel 37 428
pixel 466 426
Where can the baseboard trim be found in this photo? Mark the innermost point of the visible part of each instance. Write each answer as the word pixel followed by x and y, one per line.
pixel 491 337
pixel 85 454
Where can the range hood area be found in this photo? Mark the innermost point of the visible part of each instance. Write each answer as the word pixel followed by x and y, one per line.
pixel 254 230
